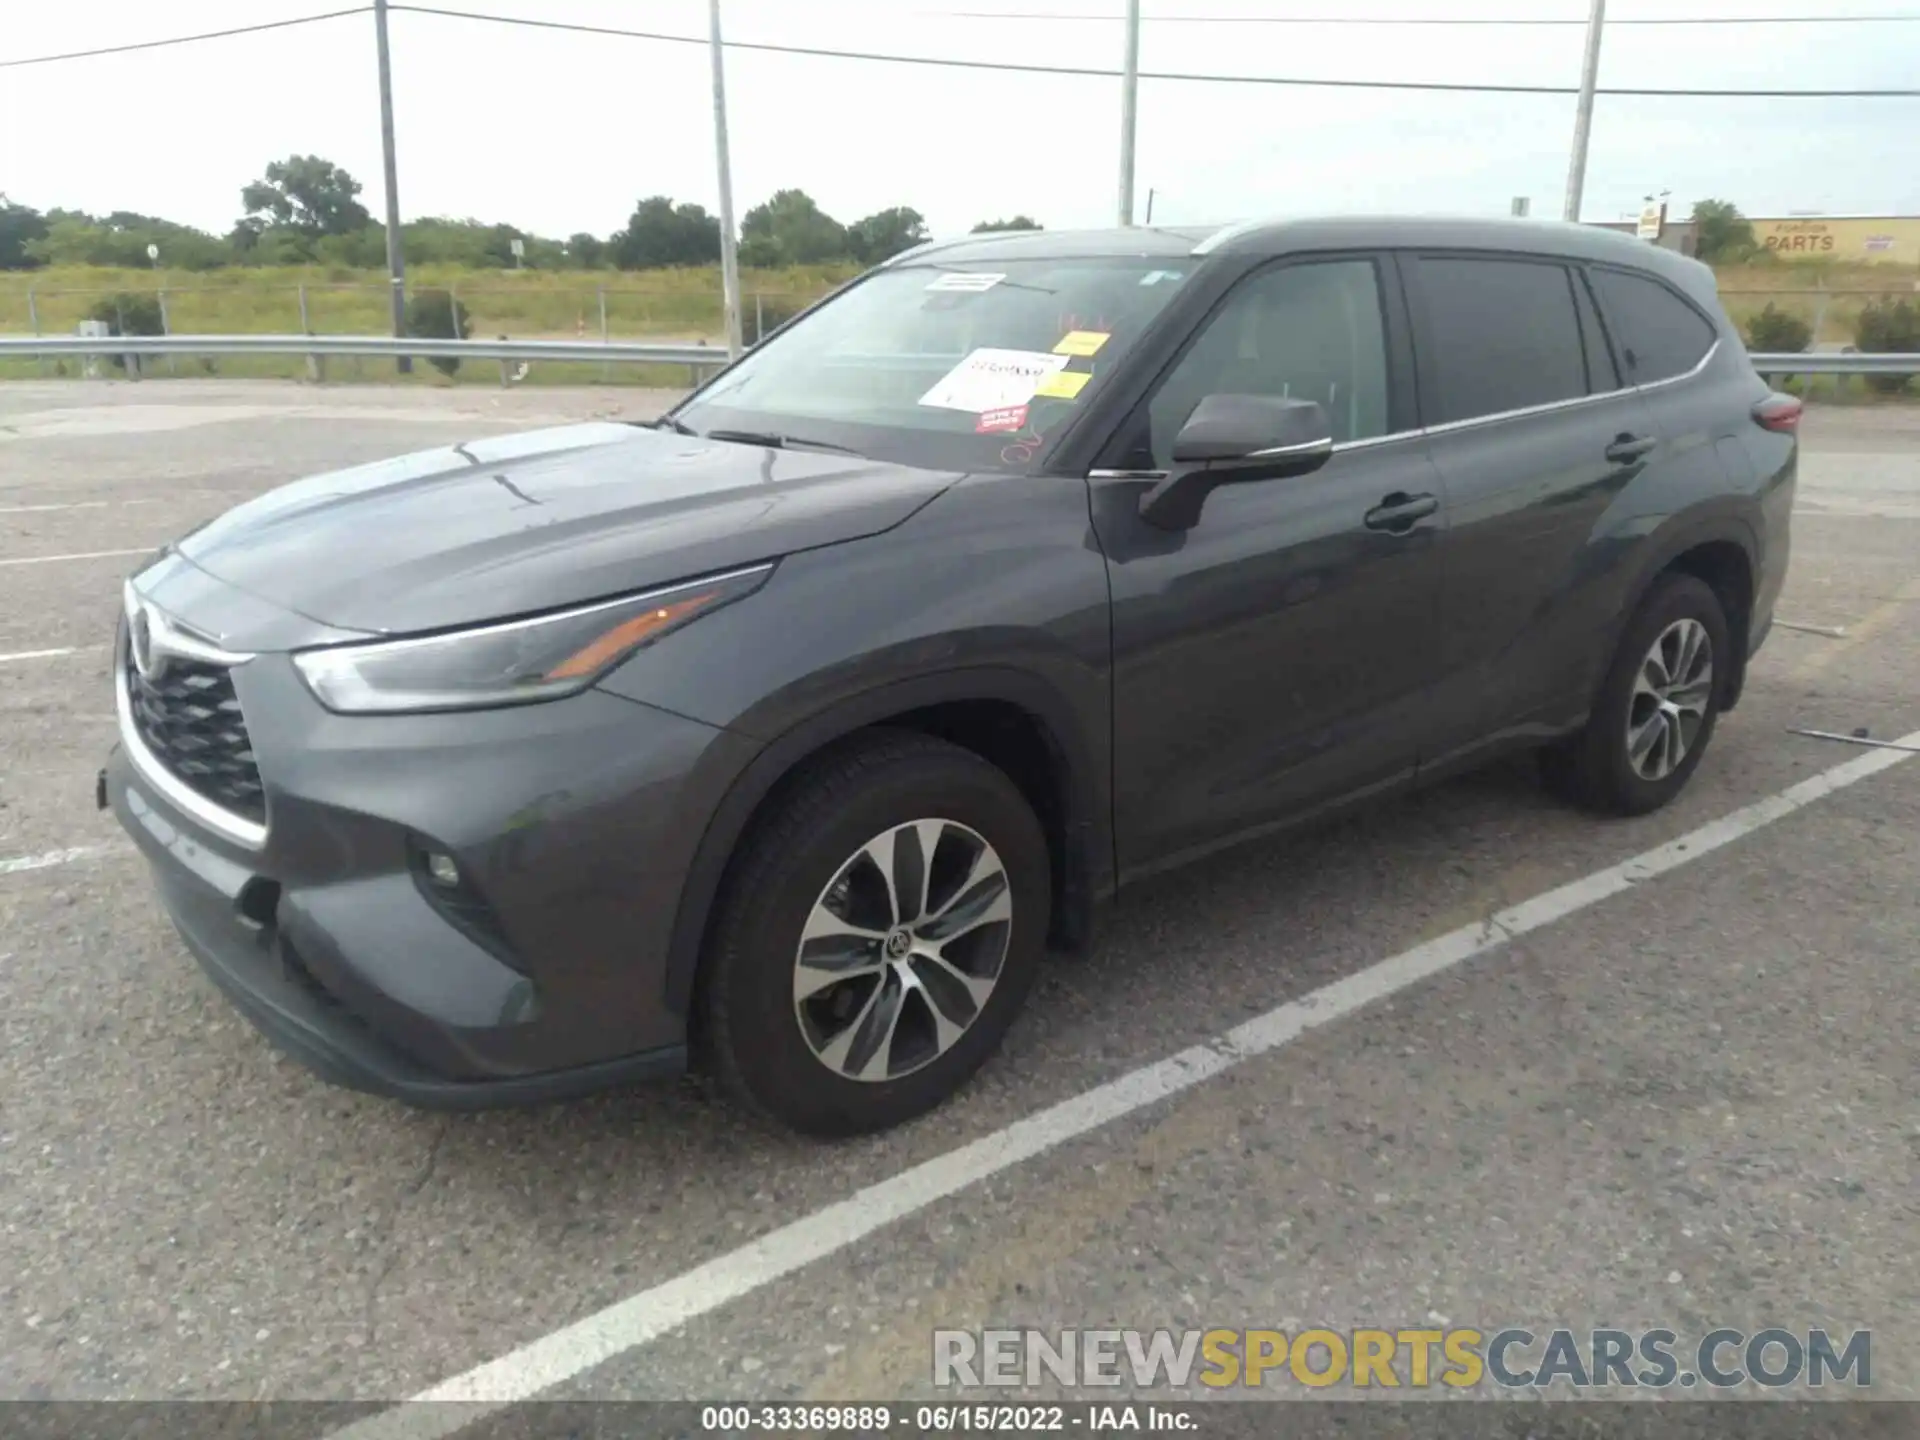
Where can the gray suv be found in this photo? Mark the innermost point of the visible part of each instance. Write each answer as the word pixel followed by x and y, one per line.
pixel 789 731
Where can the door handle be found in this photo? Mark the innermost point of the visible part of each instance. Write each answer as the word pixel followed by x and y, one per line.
pixel 1399 512
pixel 1627 448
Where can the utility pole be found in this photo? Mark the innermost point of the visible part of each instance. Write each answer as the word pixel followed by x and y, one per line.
pixel 1583 117
pixel 396 261
pixel 729 253
pixel 1129 109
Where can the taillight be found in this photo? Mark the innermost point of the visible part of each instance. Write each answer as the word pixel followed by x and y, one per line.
pixel 1779 413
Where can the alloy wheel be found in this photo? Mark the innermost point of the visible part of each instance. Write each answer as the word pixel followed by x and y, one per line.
pixel 1671 693
pixel 902 949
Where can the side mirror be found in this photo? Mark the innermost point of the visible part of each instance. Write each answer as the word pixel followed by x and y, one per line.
pixel 1233 438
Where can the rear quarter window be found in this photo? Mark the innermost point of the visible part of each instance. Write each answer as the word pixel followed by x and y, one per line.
pixel 1658 334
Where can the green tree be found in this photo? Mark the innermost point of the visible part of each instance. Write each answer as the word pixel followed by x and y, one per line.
pixel 308 194
pixel 1721 234
pixel 660 233
pixel 1018 222
pixel 1778 332
pixel 363 249
pixel 586 252
pixel 129 314
pixel 790 229
pixel 886 233
pixel 1888 327
pixel 438 315
pixel 121 239
pixel 20 227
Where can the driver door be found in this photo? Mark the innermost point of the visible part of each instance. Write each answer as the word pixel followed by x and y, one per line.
pixel 1276 656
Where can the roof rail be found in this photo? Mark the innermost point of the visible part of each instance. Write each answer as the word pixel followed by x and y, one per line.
pixel 925 247
pixel 1225 233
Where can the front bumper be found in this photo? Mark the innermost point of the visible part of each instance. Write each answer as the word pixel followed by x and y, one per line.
pixel 268 982
pixel 572 823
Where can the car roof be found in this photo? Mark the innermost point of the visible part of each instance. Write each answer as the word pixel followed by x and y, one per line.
pixel 1342 232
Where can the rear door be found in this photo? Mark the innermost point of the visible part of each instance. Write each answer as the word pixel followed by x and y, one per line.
pixel 1534 433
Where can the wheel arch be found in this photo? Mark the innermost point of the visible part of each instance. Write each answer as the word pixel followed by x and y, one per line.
pixel 1719 548
pixel 1073 808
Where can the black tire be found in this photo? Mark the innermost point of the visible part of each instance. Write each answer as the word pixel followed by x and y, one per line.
pixel 749 1032
pixel 1593 768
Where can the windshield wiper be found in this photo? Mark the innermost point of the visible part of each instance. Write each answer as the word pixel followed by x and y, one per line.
pixel 778 442
pixel 667 422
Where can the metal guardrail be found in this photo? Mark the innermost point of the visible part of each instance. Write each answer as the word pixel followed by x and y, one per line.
pixel 644 353
pixel 1834 362
pixel 374 345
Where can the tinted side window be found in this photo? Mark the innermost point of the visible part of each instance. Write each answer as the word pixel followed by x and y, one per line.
pixel 1503 335
pixel 1312 332
pixel 1659 334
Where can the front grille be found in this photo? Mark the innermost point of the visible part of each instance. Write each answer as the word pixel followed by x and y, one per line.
pixel 189 719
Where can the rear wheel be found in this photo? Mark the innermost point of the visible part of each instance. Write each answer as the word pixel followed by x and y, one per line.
pixel 878 934
pixel 1657 706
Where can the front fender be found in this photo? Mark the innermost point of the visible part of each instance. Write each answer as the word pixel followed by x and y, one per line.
pixel 1082 792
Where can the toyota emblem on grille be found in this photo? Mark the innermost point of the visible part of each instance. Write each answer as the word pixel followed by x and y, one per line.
pixel 148 662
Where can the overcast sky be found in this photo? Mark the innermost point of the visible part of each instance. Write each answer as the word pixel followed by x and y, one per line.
pixel 562 132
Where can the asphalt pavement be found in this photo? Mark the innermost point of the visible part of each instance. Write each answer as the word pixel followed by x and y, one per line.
pixel 1690 1099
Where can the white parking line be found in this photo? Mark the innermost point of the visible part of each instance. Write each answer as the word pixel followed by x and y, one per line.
pixel 38 654
pixel 101 504
pixel 83 555
pixel 19 864
pixel 628 1324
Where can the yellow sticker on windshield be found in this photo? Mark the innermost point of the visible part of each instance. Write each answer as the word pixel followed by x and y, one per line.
pixel 1063 385
pixel 1081 342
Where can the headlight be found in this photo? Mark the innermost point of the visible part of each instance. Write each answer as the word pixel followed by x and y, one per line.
pixel 541 658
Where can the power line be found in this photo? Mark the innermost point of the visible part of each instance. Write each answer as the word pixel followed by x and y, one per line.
pixel 1433 19
pixel 184 39
pixel 1023 68
pixel 1026 68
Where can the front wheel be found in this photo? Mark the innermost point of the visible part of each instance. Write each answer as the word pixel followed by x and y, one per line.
pixel 878 934
pixel 1657 708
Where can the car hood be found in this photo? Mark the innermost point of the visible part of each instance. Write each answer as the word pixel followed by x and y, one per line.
pixel 521 523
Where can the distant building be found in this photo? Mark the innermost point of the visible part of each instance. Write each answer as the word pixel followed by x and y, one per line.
pixel 1854 239
pixel 1833 239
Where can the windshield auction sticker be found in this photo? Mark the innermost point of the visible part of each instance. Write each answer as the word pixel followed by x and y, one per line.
pixel 993 380
pixel 1081 342
pixel 972 281
pixel 1064 385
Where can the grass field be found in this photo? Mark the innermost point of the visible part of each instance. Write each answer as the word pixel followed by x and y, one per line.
pixel 666 305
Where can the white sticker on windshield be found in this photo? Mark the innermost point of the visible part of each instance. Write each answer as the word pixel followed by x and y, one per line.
pixel 993 380
pixel 970 280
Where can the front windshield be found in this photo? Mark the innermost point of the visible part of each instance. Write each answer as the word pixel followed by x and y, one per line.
pixel 944 365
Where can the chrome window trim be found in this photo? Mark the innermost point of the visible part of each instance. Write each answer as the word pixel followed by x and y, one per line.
pixel 1305 447
pixel 1447 427
pixel 224 823
pixel 1338 449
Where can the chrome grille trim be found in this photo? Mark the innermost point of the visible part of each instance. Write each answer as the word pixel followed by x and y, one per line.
pixel 238 829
